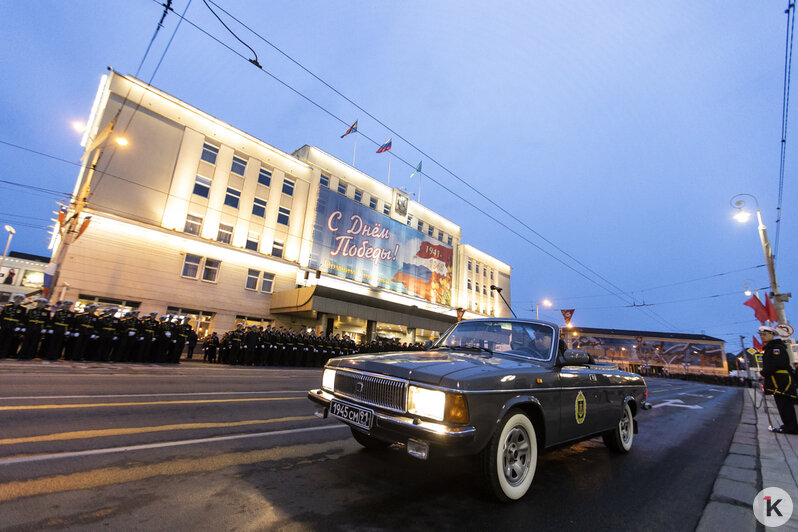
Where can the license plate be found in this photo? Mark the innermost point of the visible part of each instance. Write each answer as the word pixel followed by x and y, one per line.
pixel 354 415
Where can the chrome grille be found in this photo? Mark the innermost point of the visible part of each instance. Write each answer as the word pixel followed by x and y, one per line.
pixel 371 389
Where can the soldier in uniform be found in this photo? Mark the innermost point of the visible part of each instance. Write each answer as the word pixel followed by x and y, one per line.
pixel 779 378
pixel 192 337
pixel 125 350
pixel 37 319
pixel 12 320
pixel 251 341
pixel 211 346
pixel 236 345
pixel 60 327
pixel 148 338
pixel 182 329
pixel 165 339
pixel 108 333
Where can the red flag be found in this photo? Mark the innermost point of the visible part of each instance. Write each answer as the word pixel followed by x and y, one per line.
pixel 84 226
pixel 759 309
pixel 757 344
pixel 771 310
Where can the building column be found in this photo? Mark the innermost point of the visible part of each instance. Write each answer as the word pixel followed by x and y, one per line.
pixel 371 330
pixel 412 332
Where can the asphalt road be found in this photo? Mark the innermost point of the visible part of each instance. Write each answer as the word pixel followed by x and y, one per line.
pixel 197 447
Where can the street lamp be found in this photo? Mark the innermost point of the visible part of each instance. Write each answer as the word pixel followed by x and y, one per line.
pixel 11 232
pixel 545 303
pixel 743 216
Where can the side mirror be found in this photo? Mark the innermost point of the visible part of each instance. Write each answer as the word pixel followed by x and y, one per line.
pixel 575 357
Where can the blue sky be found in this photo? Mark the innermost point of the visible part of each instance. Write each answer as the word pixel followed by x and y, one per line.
pixel 618 131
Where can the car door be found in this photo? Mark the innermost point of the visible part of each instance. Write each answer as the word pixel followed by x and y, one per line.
pixel 584 405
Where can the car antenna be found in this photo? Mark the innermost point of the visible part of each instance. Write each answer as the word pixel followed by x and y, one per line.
pixel 499 290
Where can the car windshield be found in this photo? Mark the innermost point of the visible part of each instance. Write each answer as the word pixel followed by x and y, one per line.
pixel 532 340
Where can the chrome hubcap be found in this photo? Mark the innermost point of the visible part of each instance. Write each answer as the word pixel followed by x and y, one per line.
pixel 625 427
pixel 515 463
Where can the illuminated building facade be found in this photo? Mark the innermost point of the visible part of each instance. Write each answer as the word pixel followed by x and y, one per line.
pixel 198 218
pixel 652 352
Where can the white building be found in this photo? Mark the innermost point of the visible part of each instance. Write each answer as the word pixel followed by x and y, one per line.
pixel 195 217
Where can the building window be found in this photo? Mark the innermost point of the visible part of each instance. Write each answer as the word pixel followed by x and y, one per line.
pixel 440 236
pixel 193 225
pixel 358 196
pixel 491 293
pixel 409 219
pixel 283 216
pixel 265 177
pixel 430 230
pixel 211 270
pixel 342 188
pixel 468 284
pixel 252 241
pixel 238 166
pixel 202 186
pixel 469 264
pixel 484 271
pixel 225 235
pixel 232 197
pixel 277 249
pixel 476 285
pixel 324 181
pixel 209 153
pixel 267 283
pixel 420 225
pixel 288 187
pixel 372 203
pixel 491 275
pixel 191 266
pixel 386 209
pixel 477 269
pixel 252 279
pixel 259 207
pixel 449 241
pixel 484 290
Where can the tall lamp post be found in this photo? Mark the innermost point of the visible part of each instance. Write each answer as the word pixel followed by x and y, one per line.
pixel 743 216
pixel 11 232
pixel 545 303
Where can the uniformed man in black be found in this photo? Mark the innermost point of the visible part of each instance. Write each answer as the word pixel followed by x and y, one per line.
pixel 211 346
pixel 37 319
pixel 12 321
pixel 125 349
pixel 148 338
pixel 107 332
pixel 191 337
pixel 60 325
pixel 779 378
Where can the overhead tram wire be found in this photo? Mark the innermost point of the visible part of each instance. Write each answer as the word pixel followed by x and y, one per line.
pixel 167 8
pixel 618 292
pixel 785 113
pixel 422 152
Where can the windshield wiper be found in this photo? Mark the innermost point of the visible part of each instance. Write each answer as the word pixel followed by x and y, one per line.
pixel 476 348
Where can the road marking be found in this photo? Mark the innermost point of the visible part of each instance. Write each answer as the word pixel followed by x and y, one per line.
pixel 100 433
pixel 182 466
pixel 40 397
pixel 145 446
pixel 678 403
pixel 148 403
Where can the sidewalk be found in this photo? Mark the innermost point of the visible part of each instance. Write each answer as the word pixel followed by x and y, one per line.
pixel 757 459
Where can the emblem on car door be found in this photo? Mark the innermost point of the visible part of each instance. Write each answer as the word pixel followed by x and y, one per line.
pixel 580 407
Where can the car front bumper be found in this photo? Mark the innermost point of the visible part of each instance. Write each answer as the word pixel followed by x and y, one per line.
pixel 446 439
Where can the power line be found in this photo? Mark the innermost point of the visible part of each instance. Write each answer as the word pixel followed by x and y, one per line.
pixel 785 113
pixel 618 292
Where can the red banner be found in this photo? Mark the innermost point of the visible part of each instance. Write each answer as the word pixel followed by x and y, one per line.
pixel 434 251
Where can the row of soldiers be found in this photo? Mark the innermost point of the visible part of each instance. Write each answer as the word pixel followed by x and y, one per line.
pixel 41 332
pixel 278 346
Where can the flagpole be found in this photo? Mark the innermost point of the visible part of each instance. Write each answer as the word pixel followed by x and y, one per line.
pixel 389 168
pixel 419 188
pixel 355 152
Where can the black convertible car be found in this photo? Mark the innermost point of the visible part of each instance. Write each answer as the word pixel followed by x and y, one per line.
pixel 500 389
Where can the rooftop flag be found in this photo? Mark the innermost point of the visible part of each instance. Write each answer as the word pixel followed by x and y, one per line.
pixel 352 129
pixel 385 147
pixel 417 170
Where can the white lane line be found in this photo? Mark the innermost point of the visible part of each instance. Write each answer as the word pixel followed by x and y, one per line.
pixel 29 397
pixel 111 450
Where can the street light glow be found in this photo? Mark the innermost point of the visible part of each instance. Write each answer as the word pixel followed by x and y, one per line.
pixel 546 303
pixel 122 141
pixel 78 126
pixel 742 216
pixel 9 229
